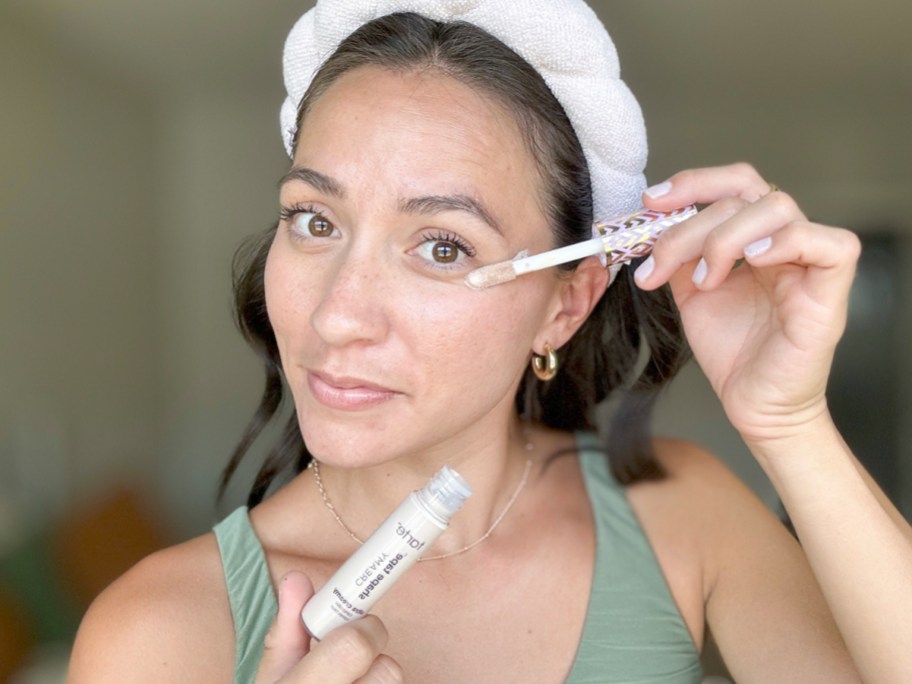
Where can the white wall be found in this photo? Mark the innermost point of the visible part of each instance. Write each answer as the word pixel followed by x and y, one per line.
pixel 119 215
pixel 222 157
pixel 77 277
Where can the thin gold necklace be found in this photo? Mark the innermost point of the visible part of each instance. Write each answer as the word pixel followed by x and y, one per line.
pixel 315 466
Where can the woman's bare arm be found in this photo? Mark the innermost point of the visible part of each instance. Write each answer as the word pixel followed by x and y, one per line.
pixel 857 543
pixel 166 620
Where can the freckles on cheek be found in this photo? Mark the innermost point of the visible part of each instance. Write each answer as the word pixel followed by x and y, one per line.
pixel 469 319
pixel 281 302
pixel 460 308
pixel 272 285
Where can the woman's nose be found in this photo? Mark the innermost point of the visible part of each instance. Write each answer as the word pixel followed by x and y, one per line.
pixel 352 307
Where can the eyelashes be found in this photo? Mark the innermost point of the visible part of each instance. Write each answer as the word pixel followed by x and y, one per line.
pixel 444 248
pixel 307 224
pixel 288 214
pixel 440 249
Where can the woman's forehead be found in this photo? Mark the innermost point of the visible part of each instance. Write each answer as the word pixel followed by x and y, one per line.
pixel 425 131
pixel 421 102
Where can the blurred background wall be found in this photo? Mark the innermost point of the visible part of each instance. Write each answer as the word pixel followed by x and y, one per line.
pixel 139 145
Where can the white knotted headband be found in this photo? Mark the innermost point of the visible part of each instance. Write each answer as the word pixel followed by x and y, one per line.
pixel 562 39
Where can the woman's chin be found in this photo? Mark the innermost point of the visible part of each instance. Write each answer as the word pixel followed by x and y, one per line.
pixel 348 448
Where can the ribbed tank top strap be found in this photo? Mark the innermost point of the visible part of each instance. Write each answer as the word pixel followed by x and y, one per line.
pixel 634 631
pixel 250 591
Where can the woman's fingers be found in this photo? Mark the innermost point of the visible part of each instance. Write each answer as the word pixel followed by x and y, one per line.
pixel 384 670
pixel 718 237
pixel 683 243
pixel 749 232
pixel 287 641
pixel 705 186
pixel 763 334
pixel 350 653
pixel 829 256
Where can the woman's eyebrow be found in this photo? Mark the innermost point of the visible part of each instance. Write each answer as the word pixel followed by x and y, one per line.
pixel 427 204
pixel 321 182
pixel 434 204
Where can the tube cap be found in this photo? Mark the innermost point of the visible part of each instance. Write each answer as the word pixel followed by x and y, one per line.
pixel 446 492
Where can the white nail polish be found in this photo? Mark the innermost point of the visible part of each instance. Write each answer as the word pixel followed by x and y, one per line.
pixel 759 247
pixel 645 269
pixel 699 274
pixel 659 189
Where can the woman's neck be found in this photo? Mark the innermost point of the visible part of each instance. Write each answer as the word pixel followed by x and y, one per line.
pixel 359 499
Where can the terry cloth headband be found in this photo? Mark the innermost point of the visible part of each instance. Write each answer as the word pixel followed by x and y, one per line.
pixel 562 39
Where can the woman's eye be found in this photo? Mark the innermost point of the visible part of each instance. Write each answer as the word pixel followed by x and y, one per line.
pixel 315 225
pixel 306 223
pixel 446 250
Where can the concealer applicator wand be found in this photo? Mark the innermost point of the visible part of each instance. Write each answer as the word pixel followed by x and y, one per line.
pixel 617 241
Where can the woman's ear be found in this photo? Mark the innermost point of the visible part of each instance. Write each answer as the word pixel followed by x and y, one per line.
pixel 577 296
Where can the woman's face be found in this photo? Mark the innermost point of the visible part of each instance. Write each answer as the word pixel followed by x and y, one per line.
pixel 401 184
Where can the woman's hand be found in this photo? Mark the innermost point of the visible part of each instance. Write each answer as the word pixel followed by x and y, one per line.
pixel 764 332
pixel 351 653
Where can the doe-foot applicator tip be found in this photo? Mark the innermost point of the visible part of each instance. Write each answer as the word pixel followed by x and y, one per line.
pixel 489 276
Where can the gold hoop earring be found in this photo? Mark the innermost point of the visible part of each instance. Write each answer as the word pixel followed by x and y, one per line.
pixel 545 367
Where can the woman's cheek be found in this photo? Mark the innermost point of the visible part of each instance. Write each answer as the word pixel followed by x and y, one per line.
pixel 273 287
pixel 472 325
pixel 283 306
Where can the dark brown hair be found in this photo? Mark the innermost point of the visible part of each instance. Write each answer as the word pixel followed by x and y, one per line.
pixel 632 343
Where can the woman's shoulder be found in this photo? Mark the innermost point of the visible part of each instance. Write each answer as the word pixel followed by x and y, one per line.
pixel 700 501
pixel 689 470
pixel 166 619
pixel 701 521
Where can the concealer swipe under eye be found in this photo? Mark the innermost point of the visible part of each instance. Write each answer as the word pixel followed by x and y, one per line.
pixel 494 274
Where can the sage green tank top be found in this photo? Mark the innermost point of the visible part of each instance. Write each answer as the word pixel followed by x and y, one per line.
pixel 633 632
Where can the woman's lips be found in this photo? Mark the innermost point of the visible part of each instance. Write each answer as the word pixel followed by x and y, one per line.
pixel 349 394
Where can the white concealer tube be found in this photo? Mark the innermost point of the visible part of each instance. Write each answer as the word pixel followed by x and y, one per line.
pixel 392 549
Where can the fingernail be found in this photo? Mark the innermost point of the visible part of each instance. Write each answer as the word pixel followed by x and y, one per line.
pixel 759 247
pixel 699 274
pixel 659 190
pixel 645 269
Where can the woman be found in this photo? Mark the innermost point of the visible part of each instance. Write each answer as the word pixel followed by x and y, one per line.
pixel 421 150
